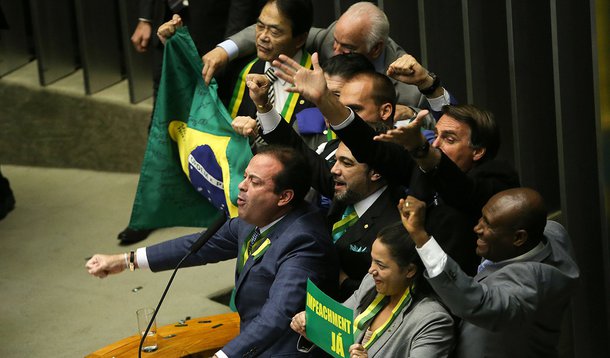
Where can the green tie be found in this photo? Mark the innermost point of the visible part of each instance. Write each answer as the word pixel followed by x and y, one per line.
pixel 348 219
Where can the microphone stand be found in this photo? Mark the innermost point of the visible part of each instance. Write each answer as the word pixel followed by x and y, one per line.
pixel 194 248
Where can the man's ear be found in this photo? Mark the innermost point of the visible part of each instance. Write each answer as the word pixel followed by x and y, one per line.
pixel 521 237
pixel 285 197
pixel 374 175
pixel 376 50
pixel 385 111
pixel 478 153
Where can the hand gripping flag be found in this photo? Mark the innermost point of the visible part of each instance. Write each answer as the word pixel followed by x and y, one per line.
pixel 194 159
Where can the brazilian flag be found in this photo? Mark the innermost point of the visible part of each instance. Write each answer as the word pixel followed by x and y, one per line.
pixel 194 160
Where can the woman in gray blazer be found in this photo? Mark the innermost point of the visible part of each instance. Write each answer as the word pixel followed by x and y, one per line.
pixel 395 312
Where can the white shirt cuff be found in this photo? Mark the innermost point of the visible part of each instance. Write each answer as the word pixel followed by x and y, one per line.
pixel 436 104
pixel 433 257
pixel 230 47
pixel 221 354
pixel 141 258
pixel 269 120
pixel 346 122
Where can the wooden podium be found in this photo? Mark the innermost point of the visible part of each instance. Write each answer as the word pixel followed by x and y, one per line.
pixel 200 337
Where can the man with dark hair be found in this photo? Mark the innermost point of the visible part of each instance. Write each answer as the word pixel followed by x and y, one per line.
pixel 281 28
pixel 456 193
pixel 343 67
pixel 279 242
pixel 463 175
pixel 362 201
pixel 514 305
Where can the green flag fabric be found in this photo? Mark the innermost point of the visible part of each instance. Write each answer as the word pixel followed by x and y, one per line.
pixel 194 160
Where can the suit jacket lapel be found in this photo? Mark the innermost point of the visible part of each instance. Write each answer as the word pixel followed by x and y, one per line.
pixel 367 221
pixel 274 235
pixel 387 335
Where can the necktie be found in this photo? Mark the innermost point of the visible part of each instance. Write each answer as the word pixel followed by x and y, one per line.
pixel 348 219
pixel 255 235
pixel 270 73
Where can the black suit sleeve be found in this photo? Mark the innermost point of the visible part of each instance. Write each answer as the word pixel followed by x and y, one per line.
pixel 469 192
pixel 145 9
pixel 390 160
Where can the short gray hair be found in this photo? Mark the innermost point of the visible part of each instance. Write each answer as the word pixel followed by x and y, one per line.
pixel 380 26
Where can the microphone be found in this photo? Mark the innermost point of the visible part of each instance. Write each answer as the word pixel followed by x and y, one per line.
pixel 212 229
pixel 197 245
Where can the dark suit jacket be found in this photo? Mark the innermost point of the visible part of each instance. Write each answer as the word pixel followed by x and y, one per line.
pixel 447 217
pixel 467 192
pixel 270 289
pixel 303 110
pixel 354 247
pixel 513 309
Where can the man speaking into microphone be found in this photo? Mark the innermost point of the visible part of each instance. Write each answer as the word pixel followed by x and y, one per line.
pixel 279 242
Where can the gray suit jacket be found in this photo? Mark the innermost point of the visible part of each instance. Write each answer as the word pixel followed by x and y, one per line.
pixel 425 329
pixel 514 309
pixel 321 41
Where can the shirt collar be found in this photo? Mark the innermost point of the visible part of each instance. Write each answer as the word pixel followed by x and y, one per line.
pixel 264 228
pixel 526 256
pixel 363 205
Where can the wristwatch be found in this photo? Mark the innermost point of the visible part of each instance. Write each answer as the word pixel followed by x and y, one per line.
pixel 132 260
pixel 436 82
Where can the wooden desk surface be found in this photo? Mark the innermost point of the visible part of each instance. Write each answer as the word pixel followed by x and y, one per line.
pixel 201 337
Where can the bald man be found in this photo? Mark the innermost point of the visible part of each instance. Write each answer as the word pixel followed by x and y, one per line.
pixel 514 306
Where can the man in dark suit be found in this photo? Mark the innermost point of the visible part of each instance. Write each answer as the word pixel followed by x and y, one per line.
pixel 356 188
pixel 447 222
pixel 460 164
pixel 281 28
pixel 279 242
pixel 514 306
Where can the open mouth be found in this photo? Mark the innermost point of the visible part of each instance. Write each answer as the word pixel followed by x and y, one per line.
pixel 339 185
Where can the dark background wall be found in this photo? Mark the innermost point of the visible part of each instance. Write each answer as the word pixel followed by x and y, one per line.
pixel 540 66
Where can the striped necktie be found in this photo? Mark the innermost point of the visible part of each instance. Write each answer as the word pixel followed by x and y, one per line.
pixel 348 219
pixel 270 73
pixel 255 235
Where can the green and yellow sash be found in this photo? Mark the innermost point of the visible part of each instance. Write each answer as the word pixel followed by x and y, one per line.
pixel 240 90
pixel 258 249
pixel 366 317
